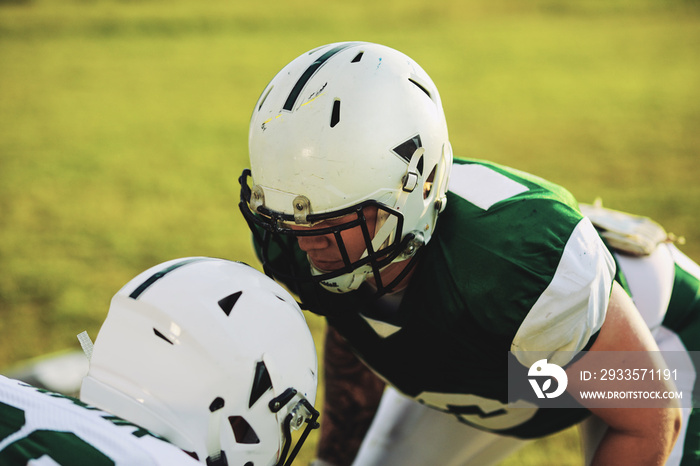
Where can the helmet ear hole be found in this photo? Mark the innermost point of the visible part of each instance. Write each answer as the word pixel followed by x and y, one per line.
pixel 428 185
pixel 420 164
pixel 243 432
pixel 406 149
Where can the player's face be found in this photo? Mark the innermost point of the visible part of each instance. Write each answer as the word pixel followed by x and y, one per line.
pixel 323 251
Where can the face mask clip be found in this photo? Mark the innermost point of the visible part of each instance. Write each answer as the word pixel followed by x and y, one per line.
pixel 302 208
pixel 302 412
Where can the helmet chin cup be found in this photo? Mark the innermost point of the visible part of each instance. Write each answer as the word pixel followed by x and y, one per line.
pixel 346 282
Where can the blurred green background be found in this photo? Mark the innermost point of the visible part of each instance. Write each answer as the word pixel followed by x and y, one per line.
pixel 123 127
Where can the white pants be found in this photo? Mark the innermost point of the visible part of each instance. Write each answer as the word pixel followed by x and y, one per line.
pixel 406 433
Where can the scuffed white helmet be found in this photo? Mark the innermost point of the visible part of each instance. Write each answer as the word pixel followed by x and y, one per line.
pixel 213 356
pixel 342 127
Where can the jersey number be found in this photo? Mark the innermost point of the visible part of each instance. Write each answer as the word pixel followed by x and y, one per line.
pixel 62 447
pixel 480 412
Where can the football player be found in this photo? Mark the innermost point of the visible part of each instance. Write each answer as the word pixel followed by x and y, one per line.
pixel 198 359
pixel 431 271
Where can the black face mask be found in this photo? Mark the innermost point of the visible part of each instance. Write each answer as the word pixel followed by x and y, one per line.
pixel 282 259
pixel 302 413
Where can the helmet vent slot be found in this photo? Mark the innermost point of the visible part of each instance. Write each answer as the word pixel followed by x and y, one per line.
pixel 226 304
pixel 160 335
pixel 261 383
pixel 428 185
pixel 335 114
pixel 420 86
pixel 243 432
pixel 406 149
pixel 264 98
pixel 358 57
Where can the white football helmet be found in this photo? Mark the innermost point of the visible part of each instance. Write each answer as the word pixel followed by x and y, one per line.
pixel 213 356
pixel 341 127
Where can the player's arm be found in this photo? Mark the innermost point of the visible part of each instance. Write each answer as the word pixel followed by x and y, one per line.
pixel 352 394
pixel 636 437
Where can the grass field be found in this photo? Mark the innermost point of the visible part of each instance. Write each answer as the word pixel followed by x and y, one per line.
pixel 123 127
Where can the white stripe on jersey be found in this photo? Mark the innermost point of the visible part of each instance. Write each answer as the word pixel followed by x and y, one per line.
pixel 482 186
pixel 43 461
pixel 573 306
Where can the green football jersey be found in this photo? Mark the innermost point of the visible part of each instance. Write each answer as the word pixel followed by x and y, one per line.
pixel 512 266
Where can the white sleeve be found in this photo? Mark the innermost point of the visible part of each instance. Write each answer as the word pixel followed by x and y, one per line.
pixel 573 306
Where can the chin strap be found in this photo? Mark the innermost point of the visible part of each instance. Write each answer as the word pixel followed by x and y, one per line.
pixel 346 282
pixel 219 460
pixel 217 457
pixel 383 234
